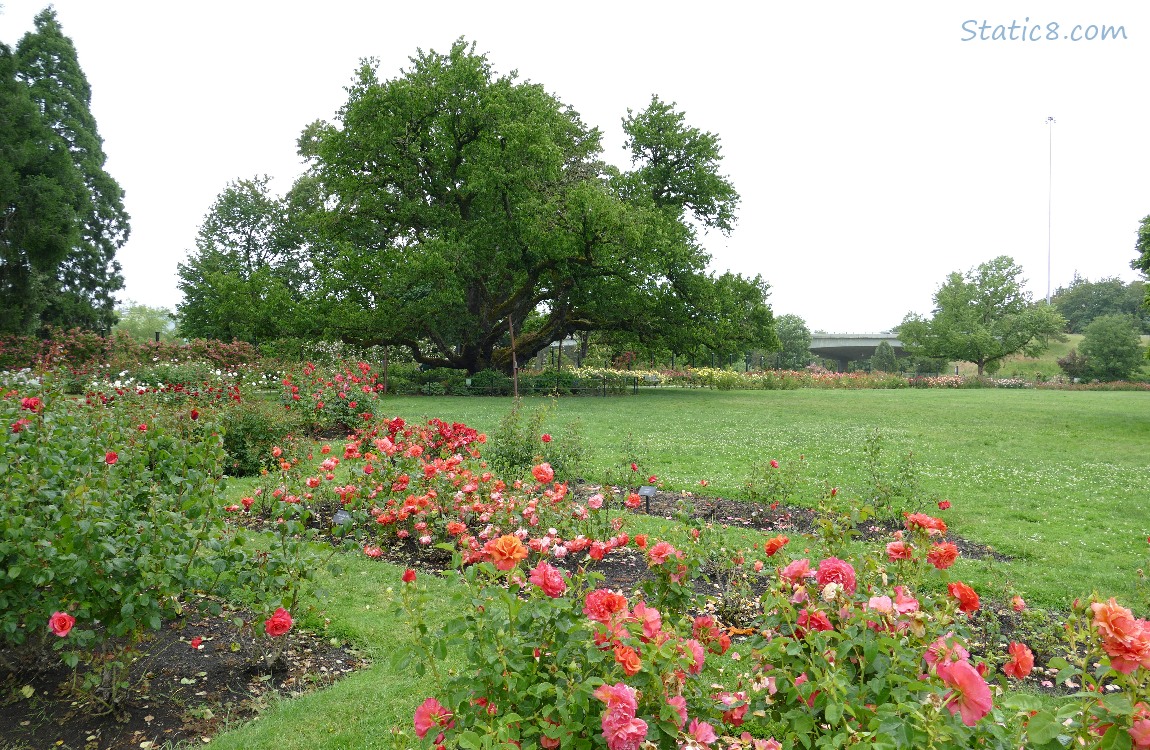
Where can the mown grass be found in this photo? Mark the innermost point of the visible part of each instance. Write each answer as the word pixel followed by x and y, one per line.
pixel 1056 480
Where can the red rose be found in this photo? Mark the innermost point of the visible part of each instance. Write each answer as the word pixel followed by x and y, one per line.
pixel 943 504
pixel 195 414
pixel 543 473
pixel 61 623
pixel 1021 661
pixel 546 438
pixel 773 545
pixel 966 596
pixel 942 556
pixel 195 642
pixel 409 576
pixel 278 624
pixel 111 457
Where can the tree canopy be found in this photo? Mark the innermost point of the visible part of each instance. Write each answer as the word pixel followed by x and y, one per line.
pixel 1112 347
pixel 451 207
pixel 1084 300
pixel 83 291
pixel 1142 262
pixel 983 316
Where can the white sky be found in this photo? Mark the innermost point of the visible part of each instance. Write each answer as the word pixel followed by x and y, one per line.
pixel 875 150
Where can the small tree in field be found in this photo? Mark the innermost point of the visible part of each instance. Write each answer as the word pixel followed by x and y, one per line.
pixel 883 359
pixel 1112 347
pixel 983 316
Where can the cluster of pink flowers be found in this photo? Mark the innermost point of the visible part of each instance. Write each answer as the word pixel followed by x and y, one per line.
pixel 1124 639
pixel 969 695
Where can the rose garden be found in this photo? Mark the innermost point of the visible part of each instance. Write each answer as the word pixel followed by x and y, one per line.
pixel 534 600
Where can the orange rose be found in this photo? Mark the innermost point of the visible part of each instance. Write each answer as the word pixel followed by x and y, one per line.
pixel 506 551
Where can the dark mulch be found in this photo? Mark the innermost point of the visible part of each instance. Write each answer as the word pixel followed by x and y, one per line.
pixel 177 693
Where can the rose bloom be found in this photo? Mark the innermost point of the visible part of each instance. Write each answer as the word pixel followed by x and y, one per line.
pixel 548 578
pixel 942 556
pixel 546 438
pixel 431 714
pixel 61 623
pixel 966 596
pixel 931 526
pixel 595 502
pixel 633 500
pixel 641 541
pixel 30 403
pixel 372 551
pixel 1017 603
pixel 943 504
pixel 796 572
pixel 543 473
pixel 971 695
pixel 899 550
pixel 660 551
pixel 1021 661
pixel 602 605
pixel 771 546
pixel 628 659
pixel 834 570
pixel 506 551
pixel 409 576
pixel 1125 640
pixel 111 457
pixel 811 620
pixel 278 624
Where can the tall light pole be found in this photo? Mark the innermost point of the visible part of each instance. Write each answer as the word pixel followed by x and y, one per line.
pixel 1049 197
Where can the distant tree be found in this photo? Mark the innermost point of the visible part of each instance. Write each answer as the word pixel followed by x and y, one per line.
pixel 1142 262
pixel 1083 301
pixel 83 292
pixel 142 322
pixel 1112 347
pixel 41 196
pixel 245 278
pixel 883 359
pixel 982 317
pixel 796 343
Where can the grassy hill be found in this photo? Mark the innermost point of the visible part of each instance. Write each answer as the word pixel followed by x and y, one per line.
pixel 1045 365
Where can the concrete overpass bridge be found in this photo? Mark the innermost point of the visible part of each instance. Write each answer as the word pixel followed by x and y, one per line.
pixel 845 347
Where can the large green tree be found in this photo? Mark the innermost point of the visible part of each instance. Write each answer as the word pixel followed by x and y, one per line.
pixel 83 291
pixel 460 205
pixel 983 316
pixel 41 196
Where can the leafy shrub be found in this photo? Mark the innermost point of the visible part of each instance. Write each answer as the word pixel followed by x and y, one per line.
pixel 490 383
pixel 251 430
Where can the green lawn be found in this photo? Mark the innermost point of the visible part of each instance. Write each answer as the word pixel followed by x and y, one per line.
pixel 1057 480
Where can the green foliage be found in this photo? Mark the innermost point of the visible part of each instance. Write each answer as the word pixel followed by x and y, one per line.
pixel 1112 347
pixel 242 281
pixel 1085 300
pixel 253 427
pixel 894 486
pixel 982 317
pixel 1142 261
pixel 41 198
pixel 795 339
pixel 518 444
pixel 143 322
pixel 104 520
pixel 883 359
